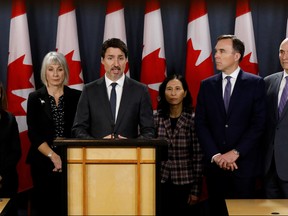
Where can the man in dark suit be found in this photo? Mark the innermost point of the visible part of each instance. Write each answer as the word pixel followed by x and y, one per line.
pixel 230 117
pixel 133 115
pixel 276 135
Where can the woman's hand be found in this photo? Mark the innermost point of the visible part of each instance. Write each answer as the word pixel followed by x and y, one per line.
pixel 55 158
pixel 192 199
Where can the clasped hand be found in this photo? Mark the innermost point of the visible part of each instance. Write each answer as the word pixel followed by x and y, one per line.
pixel 227 161
pixel 112 136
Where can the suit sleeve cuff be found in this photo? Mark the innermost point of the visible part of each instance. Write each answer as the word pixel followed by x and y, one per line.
pixel 212 159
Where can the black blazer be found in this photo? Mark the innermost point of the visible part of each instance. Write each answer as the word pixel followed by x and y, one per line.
pixel 40 122
pixel 94 117
pixel 240 128
pixel 10 153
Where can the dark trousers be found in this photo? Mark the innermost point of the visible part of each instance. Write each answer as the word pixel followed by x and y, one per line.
pixel 223 185
pixel 48 196
pixel 275 188
pixel 174 200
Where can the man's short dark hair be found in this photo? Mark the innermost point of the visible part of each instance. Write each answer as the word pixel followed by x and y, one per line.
pixel 238 45
pixel 115 43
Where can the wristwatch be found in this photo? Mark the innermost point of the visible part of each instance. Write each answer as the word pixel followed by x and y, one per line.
pixel 50 154
pixel 236 152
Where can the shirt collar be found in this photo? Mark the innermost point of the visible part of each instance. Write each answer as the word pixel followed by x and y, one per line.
pixel 119 82
pixel 234 74
pixel 284 74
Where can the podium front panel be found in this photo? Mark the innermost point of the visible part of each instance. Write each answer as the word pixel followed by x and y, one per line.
pixel 111 181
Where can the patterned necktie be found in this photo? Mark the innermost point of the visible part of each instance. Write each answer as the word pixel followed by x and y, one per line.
pixel 283 97
pixel 227 92
pixel 113 100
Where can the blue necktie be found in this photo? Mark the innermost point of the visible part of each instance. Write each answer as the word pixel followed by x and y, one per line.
pixel 227 92
pixel 283 97
pixel 113 100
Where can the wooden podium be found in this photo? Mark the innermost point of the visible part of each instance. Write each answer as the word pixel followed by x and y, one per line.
pixel 4 202
pixel 112 177
pixel 257 207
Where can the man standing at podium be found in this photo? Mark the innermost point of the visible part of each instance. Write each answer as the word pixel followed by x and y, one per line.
pixel 114 106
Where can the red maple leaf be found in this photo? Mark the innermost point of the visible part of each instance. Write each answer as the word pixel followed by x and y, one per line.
pixel 194 74
pixel 153 68
pixel 154 98
pixel 248 66
pixel 153 72
pixel 75 69
pixel 18 78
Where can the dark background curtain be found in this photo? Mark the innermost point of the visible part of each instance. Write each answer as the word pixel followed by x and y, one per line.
pixel 269 20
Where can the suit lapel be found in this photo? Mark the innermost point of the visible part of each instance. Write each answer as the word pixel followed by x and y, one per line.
pixel 277 85
pixel 180 122
pixel 236 91
pixel 275 89
pixel 45 102
pixel 103 96
pixel 219 92
pixel 125 100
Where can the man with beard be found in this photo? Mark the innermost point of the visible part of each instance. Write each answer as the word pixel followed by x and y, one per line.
pixel 114 105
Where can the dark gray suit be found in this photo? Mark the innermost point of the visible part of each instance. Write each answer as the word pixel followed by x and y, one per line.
pixel 276 136
pixel 94 117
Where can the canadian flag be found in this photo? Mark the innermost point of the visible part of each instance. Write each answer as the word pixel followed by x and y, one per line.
pixel 115 26
pixel 153 68
pixel 67 42
pixel 20 82
pixel 244 31
pixel 199 63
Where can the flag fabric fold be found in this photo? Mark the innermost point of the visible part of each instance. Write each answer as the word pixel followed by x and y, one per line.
pixel 199 63
pixel 245 32
pixel 20 82
pixel 153 68
pixel 67 42
pixel 115 26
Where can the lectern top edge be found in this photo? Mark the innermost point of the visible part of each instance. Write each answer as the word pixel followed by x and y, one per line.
pixel 111 142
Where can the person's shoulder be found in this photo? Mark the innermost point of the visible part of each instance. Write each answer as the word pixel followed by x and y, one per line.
pixel 212 78
pixel 133 81
pixel 251 76
pixel 272 76
pixel 7 115
pixel 188 113
pixel 94 83
pixel 71 93
pixel 72 90
pixel 156 114
pixel 41 91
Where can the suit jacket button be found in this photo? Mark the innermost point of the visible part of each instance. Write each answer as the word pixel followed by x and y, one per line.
pixel 226 125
